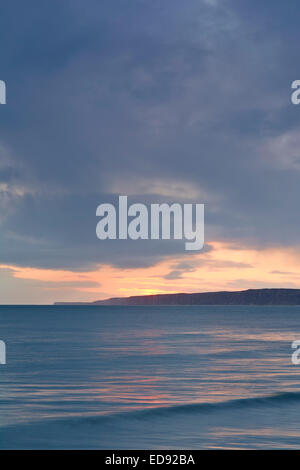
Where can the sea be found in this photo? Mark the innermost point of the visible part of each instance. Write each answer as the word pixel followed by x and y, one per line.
pixel 108 377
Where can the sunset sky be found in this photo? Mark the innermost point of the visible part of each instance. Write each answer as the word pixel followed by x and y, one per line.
pixel 161 104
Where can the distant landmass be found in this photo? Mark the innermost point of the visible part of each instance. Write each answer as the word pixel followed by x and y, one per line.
pixel 245 297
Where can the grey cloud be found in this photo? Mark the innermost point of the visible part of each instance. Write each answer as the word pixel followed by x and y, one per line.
pixel 185 267
pixel 135 89
pixel 174 275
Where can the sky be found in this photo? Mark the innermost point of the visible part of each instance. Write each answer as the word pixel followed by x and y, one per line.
pixel 163 101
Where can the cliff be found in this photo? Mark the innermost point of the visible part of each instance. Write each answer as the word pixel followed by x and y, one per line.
pixel 246 297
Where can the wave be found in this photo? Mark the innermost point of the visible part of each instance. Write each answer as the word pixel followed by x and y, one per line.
pixel 267 400
pixel 283 398
pixel 279 399
pixel 149 428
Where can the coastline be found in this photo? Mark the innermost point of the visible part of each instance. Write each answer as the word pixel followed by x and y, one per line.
pixel 245 297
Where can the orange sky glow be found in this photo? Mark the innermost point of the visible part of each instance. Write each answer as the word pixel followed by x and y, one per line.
pixel 224 267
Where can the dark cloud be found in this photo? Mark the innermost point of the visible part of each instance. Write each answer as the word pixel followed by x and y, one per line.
pixel 123 91
pixel 214 265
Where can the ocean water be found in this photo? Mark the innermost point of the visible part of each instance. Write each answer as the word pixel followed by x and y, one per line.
pixel 149 377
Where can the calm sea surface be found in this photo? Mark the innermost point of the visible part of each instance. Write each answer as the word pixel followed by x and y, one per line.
pixel 149 377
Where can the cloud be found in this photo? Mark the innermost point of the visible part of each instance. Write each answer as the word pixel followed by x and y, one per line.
pixel 18 290
pixel 176 274
pixel 178 190
pixel 156 100
pixel 205 260
pixel 285 273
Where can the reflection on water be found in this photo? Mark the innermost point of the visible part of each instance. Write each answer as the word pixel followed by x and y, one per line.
pixel 80 361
